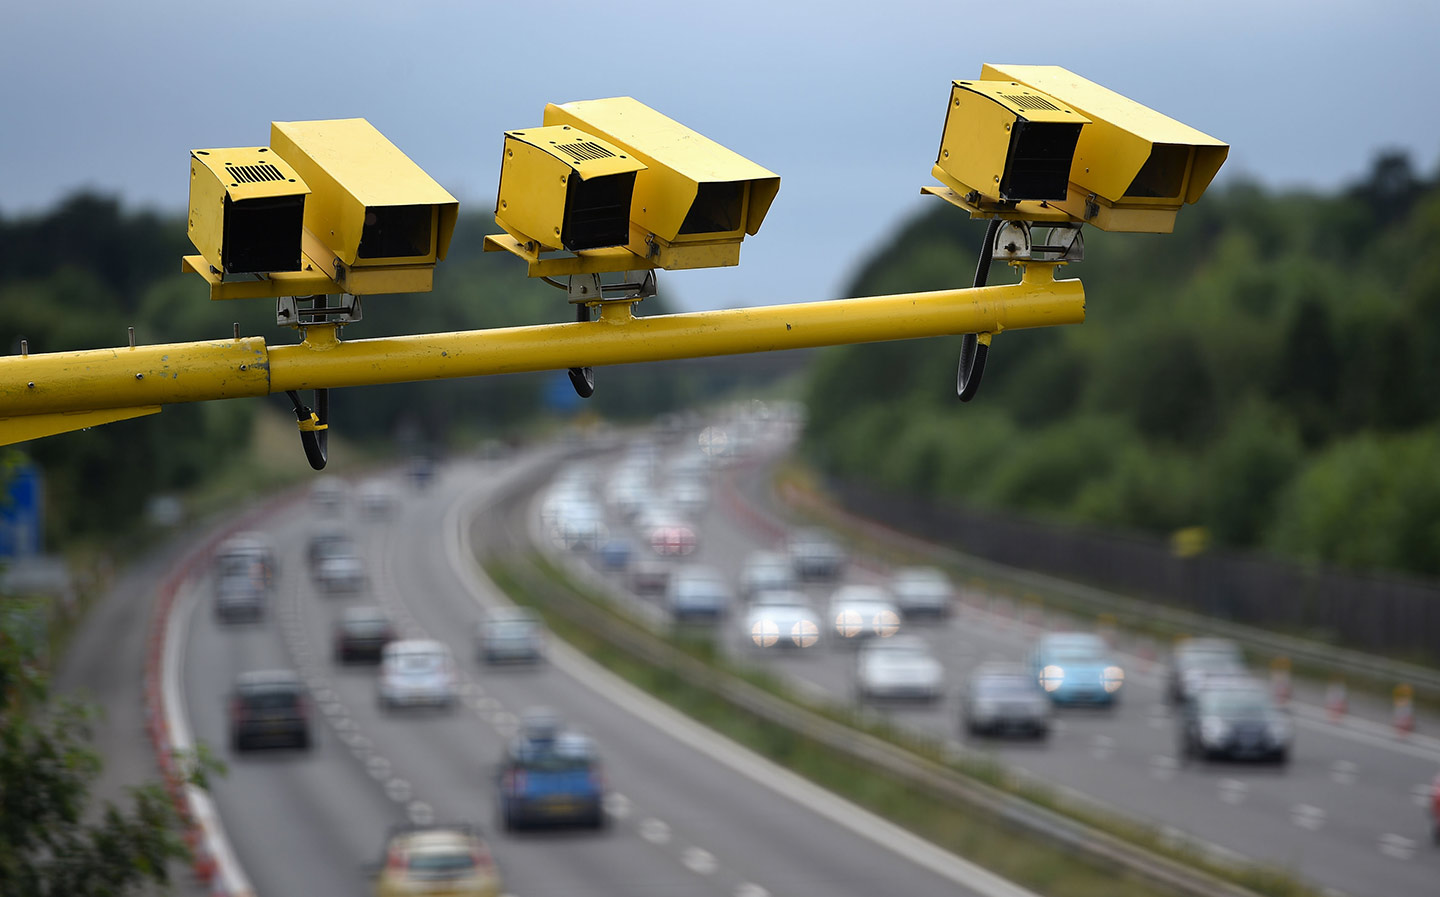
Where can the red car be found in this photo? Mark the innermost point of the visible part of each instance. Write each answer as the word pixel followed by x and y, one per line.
pixel 1435 809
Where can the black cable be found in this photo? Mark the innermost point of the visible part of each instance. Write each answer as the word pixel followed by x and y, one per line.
pixel 973 352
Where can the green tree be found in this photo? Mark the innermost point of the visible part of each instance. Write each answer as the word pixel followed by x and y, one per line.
pixel 51 844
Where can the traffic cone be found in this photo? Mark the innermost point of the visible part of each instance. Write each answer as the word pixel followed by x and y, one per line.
pixel 1280 679
pixel 1404 714
pixel 1335 701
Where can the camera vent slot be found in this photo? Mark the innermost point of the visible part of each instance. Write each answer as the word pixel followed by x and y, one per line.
pixel 585 151
pixel 1030 101
pixel 254 174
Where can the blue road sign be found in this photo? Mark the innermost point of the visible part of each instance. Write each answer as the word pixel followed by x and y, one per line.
pixel 20 509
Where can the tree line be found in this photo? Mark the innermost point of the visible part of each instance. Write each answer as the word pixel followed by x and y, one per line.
pixel 1269 372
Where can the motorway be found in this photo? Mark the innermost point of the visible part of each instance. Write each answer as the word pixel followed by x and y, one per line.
pixel 1346 814
pixel 689 814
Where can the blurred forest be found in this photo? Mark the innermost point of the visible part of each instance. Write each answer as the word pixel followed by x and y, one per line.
pixel 76 277
pixel 1271 371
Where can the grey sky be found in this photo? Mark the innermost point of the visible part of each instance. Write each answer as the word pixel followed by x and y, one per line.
pixel 844 100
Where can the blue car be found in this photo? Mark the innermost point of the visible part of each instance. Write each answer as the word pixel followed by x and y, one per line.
pixel 551 777
pixel 1077 668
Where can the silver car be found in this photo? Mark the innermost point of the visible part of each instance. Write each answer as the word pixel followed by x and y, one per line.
pixel 1004 698
pixel 922 592
pixel 510 635
pixel 698 594
pixel 417 672
pixel 781 620
pixel 897 668
pixel 860 612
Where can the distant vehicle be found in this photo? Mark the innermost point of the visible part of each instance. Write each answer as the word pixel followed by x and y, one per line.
pixel 765 571
pixel 1197 659
pixel 615 553
pixel 340 574
pixel 580 525
pixel 922 592
pixel 377 499
pixel 327 495
pixel 1241 723
pixel 510 635
pixel 361 635
pixel 698 594
pixel 815 555
pixel 860 612
pixel 241 553
pixel 899 668
pixel 420 470
pixel 551 776
pixel 417 672
pixel 328 542
pixel 649 576
pixel 690 495
pixel 1001 698
pixel 437 861
pixel 1077 668
pixel 240 599
pixel 783 620
pixel 269 707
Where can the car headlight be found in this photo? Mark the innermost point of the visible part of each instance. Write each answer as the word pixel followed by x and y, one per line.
pixel 1051 677
pixel 1213 730
pixel 1113 678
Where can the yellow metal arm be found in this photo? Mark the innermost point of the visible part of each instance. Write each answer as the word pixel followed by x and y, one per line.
pixel 100 379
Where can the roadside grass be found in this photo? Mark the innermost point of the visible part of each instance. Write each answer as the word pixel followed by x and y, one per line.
pixel 1020 856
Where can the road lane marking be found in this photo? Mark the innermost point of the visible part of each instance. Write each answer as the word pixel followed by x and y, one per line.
pixel 1102 747
pixel 399 791
pixel 750 889
pixel 420 812
pixel 1420 794
pixel 1308 817
pixel 655 831
pixel 1233 791
pixel 700 861
pixel 379 768
pixel 1343 772
pixel 1397 847
pixel 617 805
pixel 1163 766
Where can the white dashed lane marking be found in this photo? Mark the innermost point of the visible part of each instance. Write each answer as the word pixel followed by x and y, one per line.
pixel 379 768
pixel 1308 817
pixel 701 862
pixel 1163 767
pixel 399 791
pixel 750 889
pixel 655 831
pixel 1233 791
pixel 1397 847
pixel 1420 794
pixel 1343 772
pixel 617 805
pixel 1102 747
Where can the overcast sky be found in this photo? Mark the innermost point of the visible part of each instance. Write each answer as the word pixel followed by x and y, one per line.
pixel 844 99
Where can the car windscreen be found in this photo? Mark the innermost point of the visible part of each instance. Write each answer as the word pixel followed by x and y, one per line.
pixel 270 699
pixel 366 626
pixel 1234 705
pixel 433 866
pixel 419 663
pixel 510 629
pixel 1005 685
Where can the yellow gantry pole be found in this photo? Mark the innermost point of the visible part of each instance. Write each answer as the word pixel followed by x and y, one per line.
pixel 137 378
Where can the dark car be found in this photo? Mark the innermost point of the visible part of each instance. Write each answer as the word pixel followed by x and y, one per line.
pixel 551 776
pixel 1235 723
pixel 361 634
pixel 268 708
pixel 1002 698
pixel 241 598
pixel 1195 660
